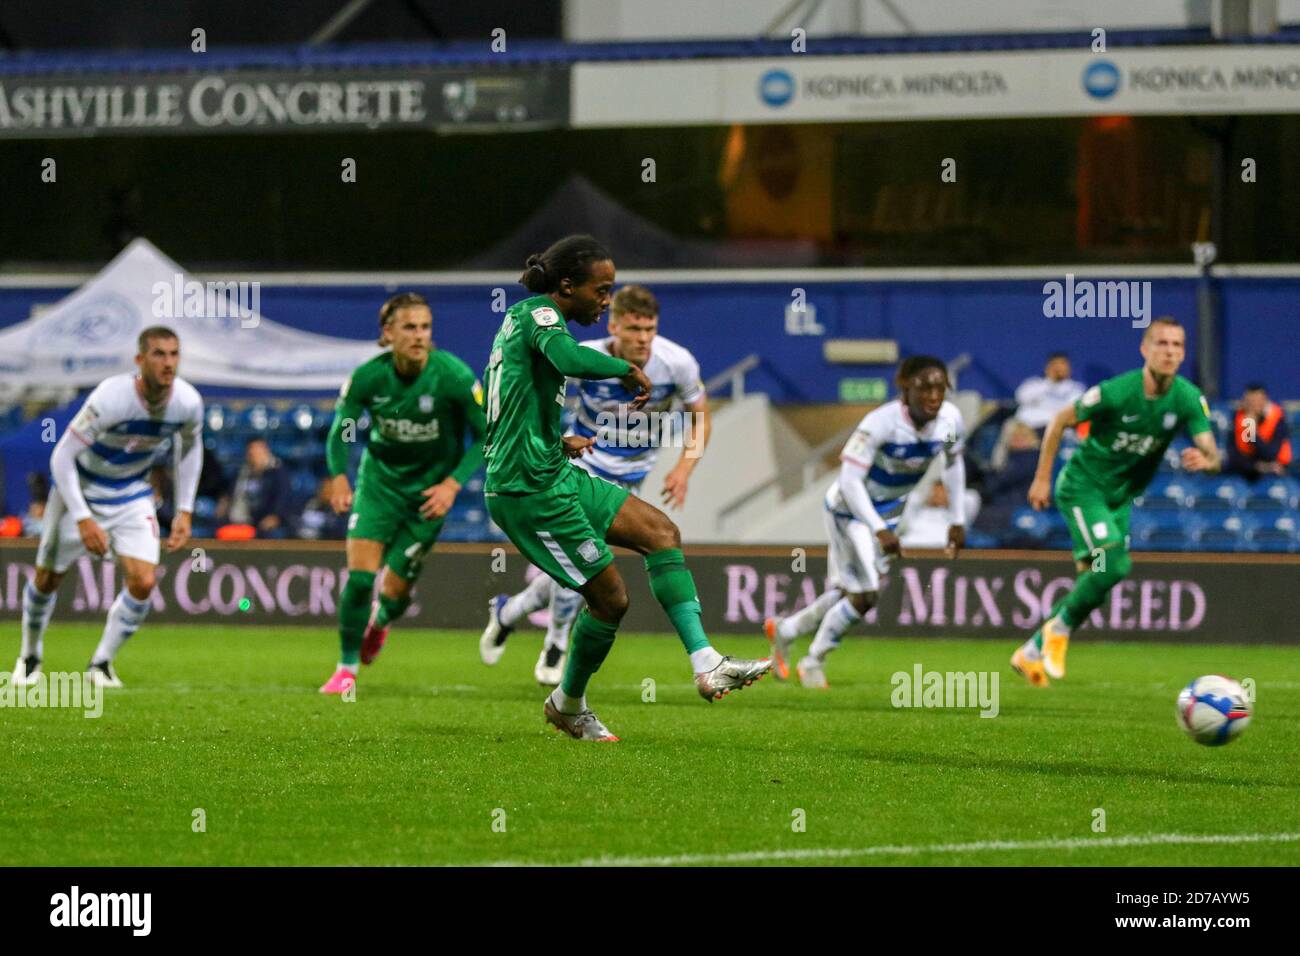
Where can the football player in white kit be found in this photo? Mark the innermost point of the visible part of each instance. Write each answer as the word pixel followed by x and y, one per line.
pixel 102 502
pixel 624 450
pixel 884 459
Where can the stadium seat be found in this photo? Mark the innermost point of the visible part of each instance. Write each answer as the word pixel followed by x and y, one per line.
pixel 1167 539
pixel 1224 535
pixel 216 416
pixel 1285 491
pixel 1034 524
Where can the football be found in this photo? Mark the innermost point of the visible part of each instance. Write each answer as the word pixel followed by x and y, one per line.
pixel 1213 710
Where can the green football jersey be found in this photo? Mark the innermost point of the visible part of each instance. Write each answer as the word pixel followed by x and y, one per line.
pixel 1129 433
pixel 417 426
pixel 525 398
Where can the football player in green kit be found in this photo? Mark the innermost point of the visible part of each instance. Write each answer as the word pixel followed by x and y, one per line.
pixel 562 518
pixel 421 402
pixel 1133 417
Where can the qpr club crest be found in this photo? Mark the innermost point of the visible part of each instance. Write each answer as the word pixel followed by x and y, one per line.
pixel 426 403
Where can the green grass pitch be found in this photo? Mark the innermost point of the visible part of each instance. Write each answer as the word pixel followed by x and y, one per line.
pixel 441 760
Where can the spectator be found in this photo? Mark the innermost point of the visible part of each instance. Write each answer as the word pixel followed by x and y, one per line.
pixel 318 520
pixel 1260 443
pixel 927 526
pixel 261 495
pixel 1005 488
pixel 1039 399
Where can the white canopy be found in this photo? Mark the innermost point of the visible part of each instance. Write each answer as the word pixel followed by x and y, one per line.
pixel 92 333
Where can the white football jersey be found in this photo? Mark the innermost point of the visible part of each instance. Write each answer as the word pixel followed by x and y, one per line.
pixel 896 454
pixel 627 443
pixel 126 439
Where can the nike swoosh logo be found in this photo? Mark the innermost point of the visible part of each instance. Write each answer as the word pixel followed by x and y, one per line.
pixel 380 400
pixel 1131 418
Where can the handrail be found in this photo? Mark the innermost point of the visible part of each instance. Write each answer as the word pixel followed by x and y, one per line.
pixel 807 467
pixel 735 376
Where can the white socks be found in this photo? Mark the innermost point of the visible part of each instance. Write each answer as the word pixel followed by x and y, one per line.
pixel 566 704
pixel 565 605
pixel 530 599
pixel 805 620
pixel 124 618
pixel 705 659
pixel 837 620
pixel 37 609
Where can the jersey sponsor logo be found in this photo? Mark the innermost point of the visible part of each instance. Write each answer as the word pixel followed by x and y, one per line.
pixel 405 430
pixel 1170 420
pixel 1092 396
pixel 589 551
pixel 545 316
pixel 426 403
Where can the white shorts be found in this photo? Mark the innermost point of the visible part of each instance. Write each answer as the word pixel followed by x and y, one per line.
pixel 132 530
pixel 855 562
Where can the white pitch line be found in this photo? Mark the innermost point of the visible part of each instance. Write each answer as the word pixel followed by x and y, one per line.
pixel 1077 843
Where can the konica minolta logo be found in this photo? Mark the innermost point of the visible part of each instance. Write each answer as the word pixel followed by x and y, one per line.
pixel 776 87
pixel 1101 80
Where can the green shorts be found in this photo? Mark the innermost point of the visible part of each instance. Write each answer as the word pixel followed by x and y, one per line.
pixel 562 530
pixel 391 516
pixel 1095 525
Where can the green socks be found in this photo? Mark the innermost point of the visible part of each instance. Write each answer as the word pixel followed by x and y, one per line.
pixel 1089 591
pixel 589 645
pixel 354 613
pixel 390 609
pixel 674 589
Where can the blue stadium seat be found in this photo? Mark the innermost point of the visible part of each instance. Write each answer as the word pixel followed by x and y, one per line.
pixel 216 417
pixel 1285 491
pixel 1167 539
pixel 302 483
pixel 1224 535
pixel 1033 523
pixel 258 418
pixel 205 509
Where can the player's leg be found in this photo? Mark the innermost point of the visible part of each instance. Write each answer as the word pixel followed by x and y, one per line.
pixel 552 530
pixel 565 605
pixel 506 611
pixel 1100 538
pixel 364 558
pixel 60 545
pixel 856 566
pixel 132 532
pixel 378 516
pixel 643 528
pixel 125 615
pixel 782 631
pixel 403 558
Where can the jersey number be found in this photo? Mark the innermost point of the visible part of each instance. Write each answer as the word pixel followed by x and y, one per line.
pixel 494 386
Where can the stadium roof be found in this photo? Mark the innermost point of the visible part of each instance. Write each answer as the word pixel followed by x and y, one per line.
pixel 543 52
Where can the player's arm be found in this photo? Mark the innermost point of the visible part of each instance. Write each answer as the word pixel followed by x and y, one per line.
pixel 954 483
pixel 188 470
pixel 1040 491
pixel 855 461
pixel 440 497
pixel 1205 455
pixel 569 358
pixel 696 439
pixel 82 432
pixel 343 430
